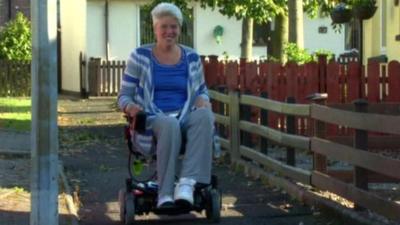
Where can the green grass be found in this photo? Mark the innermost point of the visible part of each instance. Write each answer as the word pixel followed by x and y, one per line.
pixel 15 113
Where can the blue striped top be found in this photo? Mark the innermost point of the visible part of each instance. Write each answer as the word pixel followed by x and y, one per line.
pixel 170 84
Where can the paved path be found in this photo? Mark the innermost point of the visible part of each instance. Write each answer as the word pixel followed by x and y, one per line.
pixel 95 161
pixel 14 141
pixel 98 170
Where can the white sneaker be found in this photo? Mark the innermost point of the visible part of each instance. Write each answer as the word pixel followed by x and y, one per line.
pixel 163 199
pixel 184 191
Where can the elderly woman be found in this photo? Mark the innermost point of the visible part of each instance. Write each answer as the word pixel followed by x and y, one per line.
pixel 166 81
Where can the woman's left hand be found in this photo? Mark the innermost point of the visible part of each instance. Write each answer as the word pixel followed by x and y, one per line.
pixel 201 102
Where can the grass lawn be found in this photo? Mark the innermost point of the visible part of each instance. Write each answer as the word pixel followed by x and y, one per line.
pixel 15 113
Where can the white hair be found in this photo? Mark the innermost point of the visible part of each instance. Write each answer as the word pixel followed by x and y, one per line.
pixel 166 9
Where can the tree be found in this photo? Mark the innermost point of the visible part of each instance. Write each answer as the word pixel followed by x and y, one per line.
pixel 267 10
pixel 250 12
pixel 295 8
pixel 15 39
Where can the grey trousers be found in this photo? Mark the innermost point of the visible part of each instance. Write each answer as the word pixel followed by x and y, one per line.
pixel 196 163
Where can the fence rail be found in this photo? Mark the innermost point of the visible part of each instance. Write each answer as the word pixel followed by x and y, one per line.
pixel 15 78
pixel 351 184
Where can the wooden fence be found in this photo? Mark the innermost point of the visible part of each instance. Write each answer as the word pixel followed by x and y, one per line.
pixel 344 83
pixel 15 78
pixel 104 77
pixel 351 184
pixel 378 82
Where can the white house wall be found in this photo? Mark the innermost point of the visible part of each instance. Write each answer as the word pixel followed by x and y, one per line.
pixel 313 40
pixel 205 20
pixel 73 31
pixel 123 29
pixel 95 38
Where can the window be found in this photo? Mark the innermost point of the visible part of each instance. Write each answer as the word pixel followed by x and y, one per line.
pixel 146 27
pixel 260 34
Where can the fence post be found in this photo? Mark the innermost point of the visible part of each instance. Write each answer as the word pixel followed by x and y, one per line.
pixel 291 129
pixel 99 77
pixel 221 110
pixel 83 76
pixel 234 124
pixel 319 161
pixel 245 114
pixel 264 121
pixel 361 143
pixel 322 64
pixel 94 76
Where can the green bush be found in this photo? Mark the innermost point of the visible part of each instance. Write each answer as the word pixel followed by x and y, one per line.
pixel 296 54
pixel 329 54
pixel 15 39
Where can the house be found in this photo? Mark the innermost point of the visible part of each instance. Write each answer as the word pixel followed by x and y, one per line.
pixel 110 29
pixel 381 33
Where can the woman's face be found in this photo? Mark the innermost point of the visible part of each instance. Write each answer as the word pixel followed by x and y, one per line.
pixel 167 30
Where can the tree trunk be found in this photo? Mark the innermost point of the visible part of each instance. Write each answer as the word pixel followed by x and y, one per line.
pixel 296 22
pixel 279 35
pixel 247 39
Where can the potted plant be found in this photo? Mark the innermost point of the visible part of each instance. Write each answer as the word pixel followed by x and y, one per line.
pixel 364 9
pixel 341 13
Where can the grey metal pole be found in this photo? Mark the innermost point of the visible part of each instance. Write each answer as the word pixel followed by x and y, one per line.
pixel 44 133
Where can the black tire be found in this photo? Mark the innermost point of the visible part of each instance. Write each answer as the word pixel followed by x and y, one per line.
pixel 213 210
pixel 129 211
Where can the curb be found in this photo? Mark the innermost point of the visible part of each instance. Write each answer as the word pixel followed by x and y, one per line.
pixel 68 195
pixel 22 153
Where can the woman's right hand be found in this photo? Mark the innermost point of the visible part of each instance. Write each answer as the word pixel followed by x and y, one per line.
pixel 132 109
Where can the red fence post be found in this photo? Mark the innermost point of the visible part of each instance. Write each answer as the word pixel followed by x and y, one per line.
pixel 373 82
pixel 353 82
pixel 273 91
pixel 334 91
pixel 322 62
pixel 291 80
pixel 211 70
pixel 232 75
pixel 394 81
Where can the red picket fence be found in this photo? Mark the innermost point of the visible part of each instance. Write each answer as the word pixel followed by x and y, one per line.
pixel 377 82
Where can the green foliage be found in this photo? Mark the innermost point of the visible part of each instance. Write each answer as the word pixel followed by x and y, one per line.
pixel 260 11
pixel 363 3
pixel 314 8
pixel 15 39
pixel 15 78
pixel 329 54
pixel 296 54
